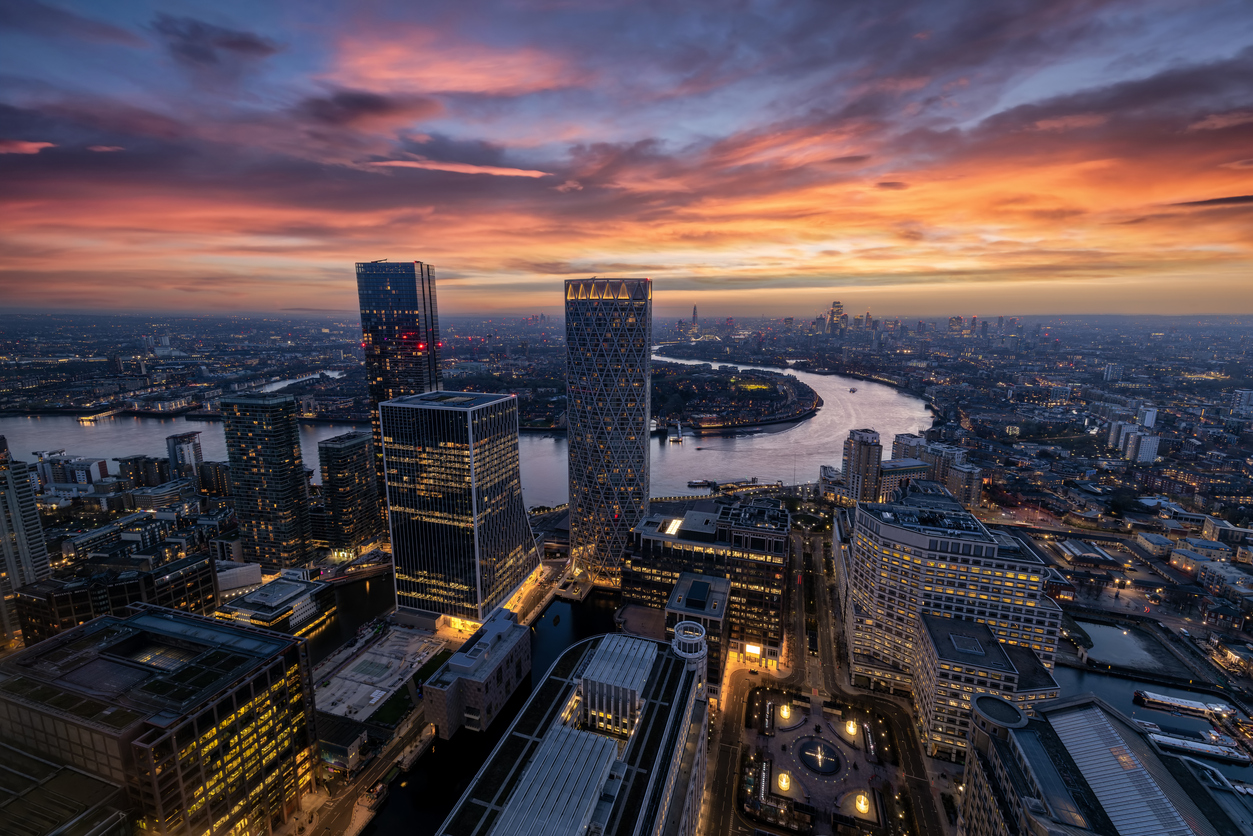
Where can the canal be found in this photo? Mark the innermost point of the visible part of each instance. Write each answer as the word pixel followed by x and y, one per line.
pixel 420 799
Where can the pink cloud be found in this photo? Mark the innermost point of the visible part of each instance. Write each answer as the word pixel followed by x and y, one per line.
pixel 105 149
pixel 1218 121
pixel 1069 123
pixel 21 146
pixel 462 168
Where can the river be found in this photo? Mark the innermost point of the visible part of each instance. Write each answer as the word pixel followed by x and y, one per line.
pixel 787 452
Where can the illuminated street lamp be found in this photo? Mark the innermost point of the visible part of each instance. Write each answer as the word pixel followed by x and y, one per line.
pixel 785 711
pixel 785 782
pixel 863 803
pixel 851 727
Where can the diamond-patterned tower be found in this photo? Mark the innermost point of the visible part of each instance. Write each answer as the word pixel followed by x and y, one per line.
pixel 609 331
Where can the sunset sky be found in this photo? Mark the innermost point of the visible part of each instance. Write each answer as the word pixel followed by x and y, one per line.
pixel 919 158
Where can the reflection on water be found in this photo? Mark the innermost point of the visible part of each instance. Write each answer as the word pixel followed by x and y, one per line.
pixel 355 604
pixel 440 776
pixel 1130 648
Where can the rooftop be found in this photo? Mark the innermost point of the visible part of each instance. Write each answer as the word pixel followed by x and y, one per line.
pixel 38 797
pixel 903 464
pixel 1032 674
pixel 274 597
pixel 700 595
pixel 476 658
pixel 450 400
pixel 622 661
pixel 965 642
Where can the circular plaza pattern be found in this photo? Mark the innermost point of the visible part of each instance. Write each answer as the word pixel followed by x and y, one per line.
pixel 818 756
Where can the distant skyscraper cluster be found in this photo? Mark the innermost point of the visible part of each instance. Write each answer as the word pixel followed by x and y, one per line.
pixel 608 379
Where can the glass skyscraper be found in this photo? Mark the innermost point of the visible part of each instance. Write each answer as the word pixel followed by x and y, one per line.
pixel 400 334
pixel 609 329
pixel 268 479
pixel 349 491
pixel 23 551
pixel 461 540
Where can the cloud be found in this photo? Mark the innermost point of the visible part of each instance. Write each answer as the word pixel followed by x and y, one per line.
pixel 1219 201
pixel 20 146
pixel 211 50
pixel 461 168
pixel 1218 121
pixel 892 184
pixel 1239 164
pixel 344 108
pixel 1071 122
pixel 105 149
pixel 51 22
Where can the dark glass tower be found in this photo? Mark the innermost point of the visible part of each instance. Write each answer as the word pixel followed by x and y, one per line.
pixel 400 333
pixel 268 479
pixel 23 551
pixel 461 540
pixel 609 328
pixel 350 491
pixel 185 455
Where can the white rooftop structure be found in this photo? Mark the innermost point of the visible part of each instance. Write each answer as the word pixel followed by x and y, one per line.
pixel 612 683
pixel 558 791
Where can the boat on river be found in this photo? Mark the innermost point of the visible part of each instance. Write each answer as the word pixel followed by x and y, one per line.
pixel 676 433
pixel 1230 754
pixel 1162 702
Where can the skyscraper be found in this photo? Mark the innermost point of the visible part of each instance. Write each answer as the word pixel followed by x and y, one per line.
pixel 350 491
pixel 185 455
pixel 23 551
pixel 461 540
pixel 862 456
pixel 609 325
pixel 835 317
pixel 268 479
pixel 400 335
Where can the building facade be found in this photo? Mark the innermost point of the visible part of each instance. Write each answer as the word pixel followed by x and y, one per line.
pixel 207 726
pixel 185 455
pixel 471 688
pixel 400 335
pixel 745 543
pixel 608 406
pixel 23 550
pixel 926 554
pixel 350 494
pixel 704 600
pixel 268 479
pixel 862 456
pixel 460 536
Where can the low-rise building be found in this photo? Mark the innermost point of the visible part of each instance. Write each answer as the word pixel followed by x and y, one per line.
pixel 955 661
pixel 471 687
pixel 1225 580
pixel 1154 544
pixel 1186 560
pixel 289 605
pixel 1212 549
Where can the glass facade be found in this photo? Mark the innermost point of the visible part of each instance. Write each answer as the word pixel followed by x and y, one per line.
pixel 461 540
pixel 350 491
pixel 609 325
pixel 268 479
pixel 23 551
pixel 400 335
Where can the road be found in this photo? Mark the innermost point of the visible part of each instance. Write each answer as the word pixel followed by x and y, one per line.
pixel 336 814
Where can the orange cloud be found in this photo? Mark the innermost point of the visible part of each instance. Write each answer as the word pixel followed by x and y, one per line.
pixel 19 146
pixel 461 168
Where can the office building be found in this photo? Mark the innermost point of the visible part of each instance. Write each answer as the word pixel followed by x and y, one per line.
pixel 42 798
pixel 184 454
pixel 289 604
pixel 705 600
pixel 400 336
pixel 207 725
pixel 925 554
pixel 965 483
pixel 894 474
pixel 54 605
pixel 461 539
pixel 611 742
pixel 608 380
pixel 476 682
pixel 862 456
pixel 955 661
pixel 350 495
pixel 23 550
pixel 268 479
pixel 745 543
pixel 1081 767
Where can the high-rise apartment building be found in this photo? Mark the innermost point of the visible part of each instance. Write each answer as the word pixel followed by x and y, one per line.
pixel 908 446
pixel 400 335
pixel 1080 767
pixel 608 384
pixel 862 456
pixel 268 479
pixel 927 555
pixel 612 742
pixel 185 455
pixel 23 551
pixel 207 725
pixel 461 539
pixel 1140 448
pixel 350 495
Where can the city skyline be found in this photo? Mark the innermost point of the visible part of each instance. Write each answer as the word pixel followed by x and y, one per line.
pixel 234 159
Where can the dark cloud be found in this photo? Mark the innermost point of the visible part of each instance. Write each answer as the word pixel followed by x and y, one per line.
pixel 214 50
pixel 347 108
pixel 50 22
pixel 850 159
pixel 892 184
pixel 1219 201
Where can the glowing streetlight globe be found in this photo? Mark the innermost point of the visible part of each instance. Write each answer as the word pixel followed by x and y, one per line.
pixel 785 711
pixel 785 781
pixel 863 803
pixel 851 728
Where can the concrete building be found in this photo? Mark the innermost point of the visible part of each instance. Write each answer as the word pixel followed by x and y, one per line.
pixel 896 473
pixel 1186 560
pixel 862 456
pixel 471 687
pixel 1242 401
pixel 208 726
pixel 609 325
pixel 350 493
pixel 745 543
pixel 705 600
pixel 235 578
pixel 908 446
pixel 1081 767
pixel 1154 544
pixel 400 336
pixel 461 539
pixel 23 551
pixel 54 605
pixel 632 764
pixel 1140 448
pixel 965 483
pixel 1212 549
pixel 926 555
pixel 42 798
pixel 956 660
pixel 287 605
pixel 268 479
pixel 185 456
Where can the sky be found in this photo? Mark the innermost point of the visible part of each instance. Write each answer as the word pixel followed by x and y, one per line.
pixel 916 158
